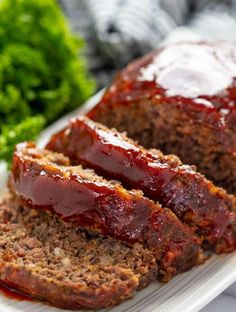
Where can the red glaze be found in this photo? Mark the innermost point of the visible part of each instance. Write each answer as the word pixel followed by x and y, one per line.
pixel 100 205
pixel 12 293
pixel 198 77
pixel 178 187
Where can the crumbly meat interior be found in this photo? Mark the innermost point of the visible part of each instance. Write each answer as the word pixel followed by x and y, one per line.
pixel 60 254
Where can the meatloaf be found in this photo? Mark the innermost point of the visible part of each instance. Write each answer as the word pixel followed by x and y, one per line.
pixel 194 199
pixel 45 180
pixel 181 99
pixel 48 259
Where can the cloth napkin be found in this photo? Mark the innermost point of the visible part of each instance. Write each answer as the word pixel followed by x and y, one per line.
pixel 117 31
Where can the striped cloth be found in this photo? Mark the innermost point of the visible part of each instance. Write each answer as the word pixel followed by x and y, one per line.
pixel 125 29
pixel 119 30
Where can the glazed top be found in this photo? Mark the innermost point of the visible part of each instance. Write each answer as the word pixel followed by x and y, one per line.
pixel 200 77
pixel 45 181
pixel 188 194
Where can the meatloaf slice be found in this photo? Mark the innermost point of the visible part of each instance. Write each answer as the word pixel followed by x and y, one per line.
pixel 53 261
pixel 193 198
pixel 181 99
pixel 46 181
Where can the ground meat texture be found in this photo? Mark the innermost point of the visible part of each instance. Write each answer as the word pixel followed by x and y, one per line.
pixel 54 261
pixel 181 99
pixel 84 198
pixel 194 199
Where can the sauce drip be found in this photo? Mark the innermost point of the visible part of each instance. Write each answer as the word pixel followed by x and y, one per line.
pixel 11 293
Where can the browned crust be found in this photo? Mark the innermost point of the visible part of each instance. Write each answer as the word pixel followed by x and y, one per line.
pixel 66 296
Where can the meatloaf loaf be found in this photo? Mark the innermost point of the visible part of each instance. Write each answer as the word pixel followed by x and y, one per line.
pixel 194 199
pixel 181 99
pixel 45 181
pixel 54 261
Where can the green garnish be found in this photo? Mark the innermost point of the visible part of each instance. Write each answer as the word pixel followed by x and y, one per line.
pixel 41 74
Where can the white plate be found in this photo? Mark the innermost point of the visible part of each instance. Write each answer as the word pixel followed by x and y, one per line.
pixel 188 292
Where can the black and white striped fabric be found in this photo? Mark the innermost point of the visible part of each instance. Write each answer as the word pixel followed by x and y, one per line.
pixel 125 29
pixel 117 31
